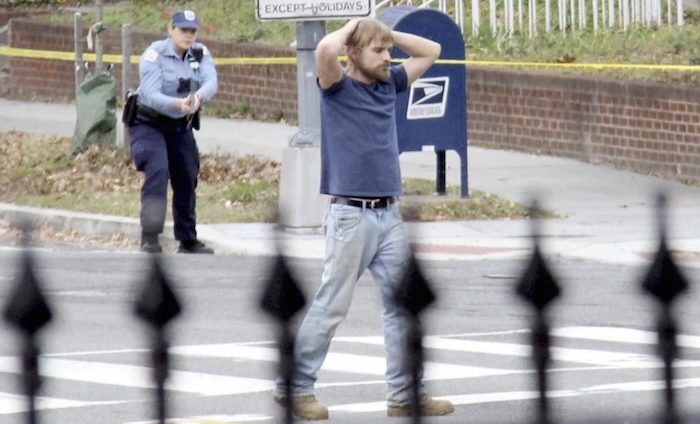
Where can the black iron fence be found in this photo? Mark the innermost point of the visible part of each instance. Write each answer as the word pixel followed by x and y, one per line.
pixel 28 311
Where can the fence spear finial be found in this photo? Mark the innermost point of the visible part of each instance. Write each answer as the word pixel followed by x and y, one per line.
pixel 665 282
pixel 28 311
pixel 157 305
pixel 282 299
pixel 414 295
pixel 538 286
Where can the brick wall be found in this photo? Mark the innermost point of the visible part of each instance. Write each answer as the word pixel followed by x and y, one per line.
pixel 645 127
pixel 37 78
pixel 267 89
pixel 7 14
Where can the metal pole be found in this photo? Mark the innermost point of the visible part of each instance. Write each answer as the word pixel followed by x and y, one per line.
pixel 573 15
pixel 511 18
pixel 440 186
pixel 541 356
pixel 126 58
pixel 520 16
pixel 492 16
pixel 287 367
pixel 308 97
pixel 595 16
pixel 603 15
pixel 300 203
pixel 416 358
pixel 124 141
pixel 668 350
pixel 160 362
pixel 78 47
pixel 98 38
pixel 562 15
pixel 32 380
pixel 611 13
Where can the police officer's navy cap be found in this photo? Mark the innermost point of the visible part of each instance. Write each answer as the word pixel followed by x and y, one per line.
pixel 185 19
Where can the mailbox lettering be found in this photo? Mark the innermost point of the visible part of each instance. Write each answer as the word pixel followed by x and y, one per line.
pixel 428 98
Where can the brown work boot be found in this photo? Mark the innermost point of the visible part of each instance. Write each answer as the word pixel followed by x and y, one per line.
pixel 305 407
pixel 428 407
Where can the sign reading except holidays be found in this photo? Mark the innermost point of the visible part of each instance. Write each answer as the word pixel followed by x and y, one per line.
pixel 298 10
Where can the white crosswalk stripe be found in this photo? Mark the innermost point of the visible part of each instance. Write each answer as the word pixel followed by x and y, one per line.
pixel 140 377
pixel 11 403
pixel 585 356
pixel 622 335
pixel 340 362
pixel 250 369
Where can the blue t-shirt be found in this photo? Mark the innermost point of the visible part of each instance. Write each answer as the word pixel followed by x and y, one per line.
pixel 359 147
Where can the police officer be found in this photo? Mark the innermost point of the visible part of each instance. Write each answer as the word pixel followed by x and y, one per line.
pixel 177 75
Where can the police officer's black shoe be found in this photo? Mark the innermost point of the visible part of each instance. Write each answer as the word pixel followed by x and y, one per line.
pixel 194 246
pixel 149 243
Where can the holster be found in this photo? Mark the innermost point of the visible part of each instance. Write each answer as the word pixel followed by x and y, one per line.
pixel 195 121
pixel 130 107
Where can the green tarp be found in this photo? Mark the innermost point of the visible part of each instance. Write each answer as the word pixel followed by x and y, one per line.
pixel 96 105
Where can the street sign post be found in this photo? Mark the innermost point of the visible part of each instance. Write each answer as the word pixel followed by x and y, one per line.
pixel 298 10
pixel 301 205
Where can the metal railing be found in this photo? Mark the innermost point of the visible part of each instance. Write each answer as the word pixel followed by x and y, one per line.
pixel 157 304
pixel 510 17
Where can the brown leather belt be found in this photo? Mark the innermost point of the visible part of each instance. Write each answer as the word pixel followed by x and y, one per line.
pixel 378 203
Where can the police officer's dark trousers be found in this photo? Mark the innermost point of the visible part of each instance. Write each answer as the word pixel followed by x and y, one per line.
pixel 166 153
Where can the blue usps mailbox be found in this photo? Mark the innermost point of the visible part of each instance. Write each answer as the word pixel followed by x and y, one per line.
pixel 432 115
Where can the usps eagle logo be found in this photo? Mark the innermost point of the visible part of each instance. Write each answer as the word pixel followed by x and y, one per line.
pixel 428 98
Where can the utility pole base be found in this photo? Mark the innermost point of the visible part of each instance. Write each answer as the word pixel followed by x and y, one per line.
pixel 301 206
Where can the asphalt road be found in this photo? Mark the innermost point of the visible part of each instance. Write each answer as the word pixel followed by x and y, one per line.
pixel 96 364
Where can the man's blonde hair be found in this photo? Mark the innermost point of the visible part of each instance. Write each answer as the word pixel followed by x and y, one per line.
pixel 368 30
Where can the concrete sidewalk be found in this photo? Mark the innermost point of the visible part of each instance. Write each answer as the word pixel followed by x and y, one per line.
pixel 608 214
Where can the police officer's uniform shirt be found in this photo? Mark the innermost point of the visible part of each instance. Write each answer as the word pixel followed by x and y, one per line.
pixel 160 71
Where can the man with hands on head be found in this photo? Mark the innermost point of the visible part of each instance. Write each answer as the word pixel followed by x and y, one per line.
pixel 360 172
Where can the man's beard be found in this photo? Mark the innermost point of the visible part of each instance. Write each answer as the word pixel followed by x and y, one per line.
pixel 378 73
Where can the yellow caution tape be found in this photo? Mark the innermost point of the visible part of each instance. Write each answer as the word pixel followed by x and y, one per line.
pixel 117 59
pixel 689 68
pixel 496 63
pixel 255 60
pixel 67 56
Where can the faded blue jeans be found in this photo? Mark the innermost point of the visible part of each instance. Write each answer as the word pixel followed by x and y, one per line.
pixel 356 240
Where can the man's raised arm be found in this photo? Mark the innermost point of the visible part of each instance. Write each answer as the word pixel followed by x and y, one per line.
pixel 423 53
pixel 328 67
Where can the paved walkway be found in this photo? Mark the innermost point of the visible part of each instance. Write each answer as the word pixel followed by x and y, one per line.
pixel 608 214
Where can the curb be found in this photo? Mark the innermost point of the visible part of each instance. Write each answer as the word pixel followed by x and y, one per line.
pixel 263 240
pixel 81 222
